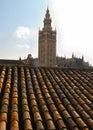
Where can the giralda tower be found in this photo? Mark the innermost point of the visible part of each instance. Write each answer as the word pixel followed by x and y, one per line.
pixel 47 43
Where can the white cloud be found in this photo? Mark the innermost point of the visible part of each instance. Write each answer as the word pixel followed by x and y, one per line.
pixel 23 46
pixel 23 32
pixel 74 22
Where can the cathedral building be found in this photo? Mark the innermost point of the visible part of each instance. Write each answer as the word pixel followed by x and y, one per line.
pixel 47 43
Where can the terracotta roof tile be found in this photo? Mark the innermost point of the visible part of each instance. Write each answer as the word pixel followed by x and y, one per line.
pixel 14 116
pixel 3 117
pixel 50 125
pixel 14 125
pixel 27 125
pixel 39 125
pixel 2 125
pixel 4 108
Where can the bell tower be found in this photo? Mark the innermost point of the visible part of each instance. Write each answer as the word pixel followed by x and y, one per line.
pixel 47 43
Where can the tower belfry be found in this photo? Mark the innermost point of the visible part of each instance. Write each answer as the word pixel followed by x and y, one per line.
pixel 47 21
pixel 47 43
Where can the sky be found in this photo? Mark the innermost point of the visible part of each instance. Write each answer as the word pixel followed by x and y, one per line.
pixel 20 21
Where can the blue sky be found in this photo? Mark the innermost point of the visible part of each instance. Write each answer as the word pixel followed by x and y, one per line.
pixel 20 14
pixel 20 21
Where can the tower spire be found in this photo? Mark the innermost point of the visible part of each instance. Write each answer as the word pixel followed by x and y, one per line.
pixel 47 21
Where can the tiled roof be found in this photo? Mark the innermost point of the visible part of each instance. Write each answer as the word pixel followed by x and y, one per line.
pixel 9 62
pixel 46 98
